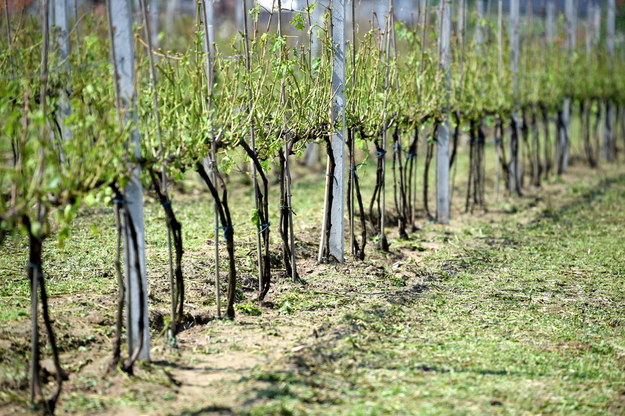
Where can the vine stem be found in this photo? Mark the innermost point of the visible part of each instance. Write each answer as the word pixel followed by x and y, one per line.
pixel 208 66
pixel 117 341
pixel 385 126
pixel 262 278
pixel 124 79
pixel 175 278
pixel 226 225
pixel 352 137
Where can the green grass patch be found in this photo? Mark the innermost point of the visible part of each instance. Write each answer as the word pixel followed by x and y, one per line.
pixel 526 320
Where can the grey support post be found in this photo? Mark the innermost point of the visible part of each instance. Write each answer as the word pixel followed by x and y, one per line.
pixel 515 165
pixel 551 10
pixel 571 36
pixel 609 139
pixel 61 33
pixel 443 201
pixel 136 282
pixel 337 237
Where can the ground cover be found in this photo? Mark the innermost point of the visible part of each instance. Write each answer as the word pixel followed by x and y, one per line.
pixel 518 310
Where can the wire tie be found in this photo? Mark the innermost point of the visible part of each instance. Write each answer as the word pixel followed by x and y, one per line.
pixel 264 228
pixel 288 209
pixel 225 229
pixel 332 176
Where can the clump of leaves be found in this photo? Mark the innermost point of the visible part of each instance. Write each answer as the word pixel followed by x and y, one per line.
pixel 249 309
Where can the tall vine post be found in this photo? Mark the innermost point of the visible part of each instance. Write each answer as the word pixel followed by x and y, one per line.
pixel 515 165
pixel 549 39
pixel 154 16
pixel 565 116
pixel 534 156
pixel 585 104
pixel 172 10
pixel 337 239
pixel 443 201
pixel 61 32
pixel 602 103
pixel 423 14
pixel 354 194
pixel 333 235
pixel 609 140
pixel 351 143
pixel 122 50
pixel 501 165
pixel 480 39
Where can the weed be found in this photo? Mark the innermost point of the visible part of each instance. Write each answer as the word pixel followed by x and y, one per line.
pixel 249 309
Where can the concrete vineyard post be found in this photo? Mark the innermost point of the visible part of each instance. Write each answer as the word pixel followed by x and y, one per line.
pixel 479 33
pixel 596 23
pixel 154 21
pixel 442 142
pixel 461 21
pixel 337 237
pixel 210 23
pixel 571 36
pixel 124 62
pixel 239 16
pixel 515 165
pixel 610 28
pixel 173 7
pixel 608 138
pixel 61 33
pixel 61 25
pixel 550 13
pixel 421 4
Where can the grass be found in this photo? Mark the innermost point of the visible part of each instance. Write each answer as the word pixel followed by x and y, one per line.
pixel 514 311
pixel 526 321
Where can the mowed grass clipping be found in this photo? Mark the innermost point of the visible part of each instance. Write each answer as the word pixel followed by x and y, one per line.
pixel 520 313
pixel 521 320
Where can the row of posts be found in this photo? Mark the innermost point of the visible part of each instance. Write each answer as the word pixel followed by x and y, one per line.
pixel 120 13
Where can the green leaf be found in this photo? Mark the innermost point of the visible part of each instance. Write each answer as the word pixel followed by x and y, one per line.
pixel 255 217
pixel 298 21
